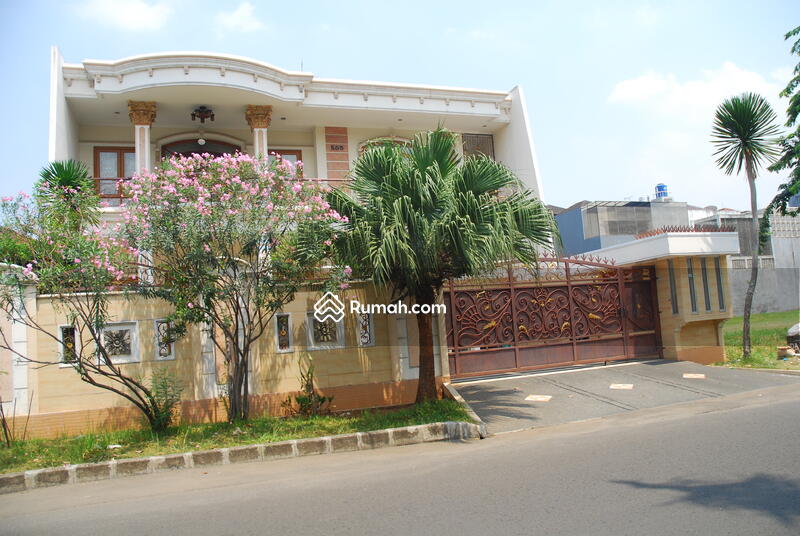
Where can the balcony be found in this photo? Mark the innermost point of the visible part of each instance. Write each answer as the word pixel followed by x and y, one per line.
pixel 110 190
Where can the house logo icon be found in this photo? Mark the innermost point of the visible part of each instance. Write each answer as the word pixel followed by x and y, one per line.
pixel 329 306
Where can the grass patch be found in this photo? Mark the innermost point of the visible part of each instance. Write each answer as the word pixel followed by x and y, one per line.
pixel 37 453
pixel 767 332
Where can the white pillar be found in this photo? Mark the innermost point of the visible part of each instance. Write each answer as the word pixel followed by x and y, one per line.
pixel 142 115
pixel 23 308
pixel 260 146
pixel 259 116
pixel 143 155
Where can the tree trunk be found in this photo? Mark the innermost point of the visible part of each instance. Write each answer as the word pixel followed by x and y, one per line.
pixel 426 388
pixel 751 286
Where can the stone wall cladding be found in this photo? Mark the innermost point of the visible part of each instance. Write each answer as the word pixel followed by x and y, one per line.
pixel 70 474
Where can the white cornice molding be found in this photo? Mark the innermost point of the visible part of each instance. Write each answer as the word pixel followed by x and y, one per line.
pixel 174 68
pixel 667 245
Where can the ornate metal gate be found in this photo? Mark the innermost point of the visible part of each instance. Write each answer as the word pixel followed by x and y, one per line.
pixel 564 311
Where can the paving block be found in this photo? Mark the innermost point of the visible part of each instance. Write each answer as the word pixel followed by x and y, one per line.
pixel 407 436
pixel 247 453
pixel 344 443
pixel 207 457
pixel 51 477
pixel 12 482
pixel 173 461
pixel 376 439
pixel 273 451
pixel 309 447
pixel 87 472
pixel 135 466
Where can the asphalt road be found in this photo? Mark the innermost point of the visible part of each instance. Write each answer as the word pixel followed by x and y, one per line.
pixel 723 465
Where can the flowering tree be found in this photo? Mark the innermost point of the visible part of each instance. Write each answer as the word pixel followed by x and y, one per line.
pixel 78 269
pixel 228 241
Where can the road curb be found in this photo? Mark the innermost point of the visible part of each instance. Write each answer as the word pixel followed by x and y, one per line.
pixel 790 372
pixel 390 437
pixel 451 392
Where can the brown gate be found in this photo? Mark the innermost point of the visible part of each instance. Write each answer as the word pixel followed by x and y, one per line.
pixel 565 311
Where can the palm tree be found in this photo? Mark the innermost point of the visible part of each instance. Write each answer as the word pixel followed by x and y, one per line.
pixel 419 215
pixel 745 136
pixel 64 189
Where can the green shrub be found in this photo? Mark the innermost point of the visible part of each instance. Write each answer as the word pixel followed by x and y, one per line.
pixel 166 392
pixel 310 402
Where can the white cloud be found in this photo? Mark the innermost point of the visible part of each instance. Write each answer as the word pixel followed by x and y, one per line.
pixel 646 15
pixel 242 19
pixel 132 15
pixel 674 118
pixel 666 95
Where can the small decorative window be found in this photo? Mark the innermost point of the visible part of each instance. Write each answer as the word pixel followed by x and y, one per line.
pixel 165 342
pixel 692 291
pixel 121 342
pixel 68 350
pixel 325 334
pixel 366 336
pixel 283 332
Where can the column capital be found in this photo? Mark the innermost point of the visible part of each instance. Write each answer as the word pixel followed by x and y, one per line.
pixel 258 115
pixel 142 112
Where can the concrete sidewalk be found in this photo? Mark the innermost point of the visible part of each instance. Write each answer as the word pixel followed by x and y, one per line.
pixel 581 394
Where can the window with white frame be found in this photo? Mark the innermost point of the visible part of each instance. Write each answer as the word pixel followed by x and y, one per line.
pixel 325 334
pixel 164 340
pixel 283 333
pixel 68 347
pixel 366 331
pixel 121 342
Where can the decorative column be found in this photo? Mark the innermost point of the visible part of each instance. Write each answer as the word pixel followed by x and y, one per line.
pixel 142 115
pixel 258 117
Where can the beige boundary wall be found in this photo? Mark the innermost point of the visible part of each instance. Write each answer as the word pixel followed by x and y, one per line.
pixel 382 373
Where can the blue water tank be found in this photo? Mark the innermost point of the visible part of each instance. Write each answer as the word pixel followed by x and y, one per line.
pixel 661 190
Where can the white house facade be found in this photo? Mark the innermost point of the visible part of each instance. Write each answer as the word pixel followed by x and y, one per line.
pixel 123 116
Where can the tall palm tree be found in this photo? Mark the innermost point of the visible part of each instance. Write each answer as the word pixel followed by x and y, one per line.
pixel 419 215
pixel 745 136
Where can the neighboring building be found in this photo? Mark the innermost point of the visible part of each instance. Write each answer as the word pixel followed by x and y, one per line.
pixel 587 226
pixel 120 117
pixel 778 287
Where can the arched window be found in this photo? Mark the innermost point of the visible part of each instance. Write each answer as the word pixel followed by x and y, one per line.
pixel 191 146
pixel 383 141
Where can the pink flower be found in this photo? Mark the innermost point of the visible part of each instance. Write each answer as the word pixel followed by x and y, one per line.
pixel 76 260
pixel 190 305
pixel 348 271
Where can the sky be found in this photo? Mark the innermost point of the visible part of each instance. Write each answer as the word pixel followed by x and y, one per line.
pixel 620 95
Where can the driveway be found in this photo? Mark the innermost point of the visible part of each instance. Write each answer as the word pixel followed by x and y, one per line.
pixel 517 402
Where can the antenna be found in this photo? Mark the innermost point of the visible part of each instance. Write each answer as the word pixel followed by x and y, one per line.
pixel 301 65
